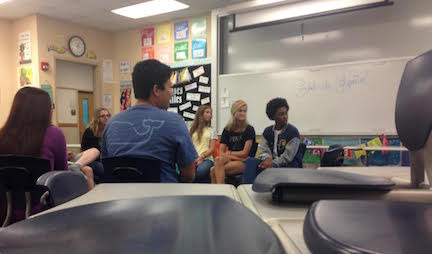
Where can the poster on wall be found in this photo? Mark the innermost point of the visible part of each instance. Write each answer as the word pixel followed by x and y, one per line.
pixel 163 33
pixel 147 37
pixel 199 48
pixel 67 106
pixel 125 95
pixel 181 30
pixel 125 67
pixel 107 66
pixel 25 76
pixel 24 43
pixel 107 102
pixel 164 54
pixel 47 88
pixel 190 92
pixel 181 50
pixel 147 53
pixel 199 27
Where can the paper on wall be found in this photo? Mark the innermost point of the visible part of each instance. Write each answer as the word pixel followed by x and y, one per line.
pixel 185 106
pixel 204 80
pixel 198 71
pixel 174 110
pixel 193 96
pixel 225 103
pixel 204 89
pixel 189 115
pixel 191 86
pixel 107 101
pixel 205 100
pixel 195 108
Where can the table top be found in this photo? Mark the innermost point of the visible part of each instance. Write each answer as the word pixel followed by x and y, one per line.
pixel 117 191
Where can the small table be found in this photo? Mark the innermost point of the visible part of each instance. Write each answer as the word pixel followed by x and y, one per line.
pixel 286 220
pixel 116 191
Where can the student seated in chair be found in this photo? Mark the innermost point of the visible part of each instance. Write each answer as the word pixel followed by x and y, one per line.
pixel 279 143
pixel 204 139
pixel 239 137
pixel 148 129
pixel 28 131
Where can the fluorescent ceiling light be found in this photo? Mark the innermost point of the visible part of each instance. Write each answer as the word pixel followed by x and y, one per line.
pixel 4 1
pixel 301 10
pixel 150 8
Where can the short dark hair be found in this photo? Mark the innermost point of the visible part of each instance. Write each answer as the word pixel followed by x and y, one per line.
pixel 148 73
pixel 273 105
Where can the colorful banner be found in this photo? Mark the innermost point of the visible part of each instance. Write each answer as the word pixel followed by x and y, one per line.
pixel 312 156
pixel 181 51
pixel 147 37
pixel 164 53
pixel 378 158
pixel 199 27
pixel 199 48
pixel 147 53
pixel 163 33
pixel 181 30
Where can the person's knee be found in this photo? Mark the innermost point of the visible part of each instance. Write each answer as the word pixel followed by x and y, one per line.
pixel 220 160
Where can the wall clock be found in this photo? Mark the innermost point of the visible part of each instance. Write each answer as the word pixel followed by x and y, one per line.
pixel 77 46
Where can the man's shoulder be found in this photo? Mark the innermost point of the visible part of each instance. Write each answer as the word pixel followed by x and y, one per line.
pixel 292 129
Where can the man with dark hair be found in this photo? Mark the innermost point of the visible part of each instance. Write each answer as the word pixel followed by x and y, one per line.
pixel 279 143
pixel 147 129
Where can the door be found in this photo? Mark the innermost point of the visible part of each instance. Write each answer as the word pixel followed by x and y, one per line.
pixel 85 100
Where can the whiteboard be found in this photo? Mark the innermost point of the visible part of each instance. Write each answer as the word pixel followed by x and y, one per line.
pixel 344 99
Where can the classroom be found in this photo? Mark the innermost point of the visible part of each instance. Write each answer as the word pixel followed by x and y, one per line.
pixel 302 112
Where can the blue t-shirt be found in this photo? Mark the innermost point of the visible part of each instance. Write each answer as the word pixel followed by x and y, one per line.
pixel 144 130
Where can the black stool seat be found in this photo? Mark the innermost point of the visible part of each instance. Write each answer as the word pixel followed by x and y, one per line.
pixel 368 227
pixel 185 224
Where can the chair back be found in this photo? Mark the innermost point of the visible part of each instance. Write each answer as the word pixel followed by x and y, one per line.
pixel 127 169
pixel 18 177
pixel 333 157
pixel 413 115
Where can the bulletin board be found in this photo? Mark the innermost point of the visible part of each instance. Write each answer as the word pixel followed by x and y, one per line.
pixel 67 106
pixel 191 89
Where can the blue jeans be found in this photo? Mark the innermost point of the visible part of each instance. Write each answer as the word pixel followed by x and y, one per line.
pixel 202 174
pixel 98 170
pixel 251 170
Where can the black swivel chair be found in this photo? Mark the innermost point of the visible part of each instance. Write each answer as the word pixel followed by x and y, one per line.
pixel 334 156
pixel 127 169
pixel 28 181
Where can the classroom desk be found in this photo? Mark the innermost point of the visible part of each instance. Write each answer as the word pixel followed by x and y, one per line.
pixel 286 220
pixel 115 191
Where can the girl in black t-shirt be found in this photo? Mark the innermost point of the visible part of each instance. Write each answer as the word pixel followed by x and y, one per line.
pixel 237 143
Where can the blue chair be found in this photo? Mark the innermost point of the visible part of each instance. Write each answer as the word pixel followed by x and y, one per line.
pixel 128 169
